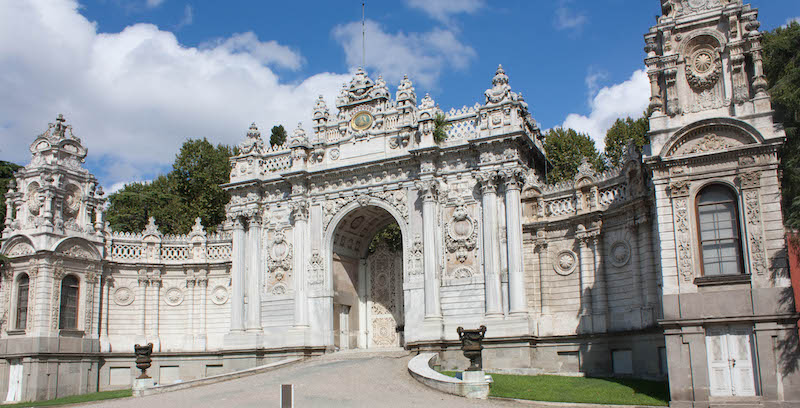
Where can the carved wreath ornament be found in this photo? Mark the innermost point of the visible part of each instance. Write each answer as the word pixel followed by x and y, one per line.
pixel 703 68
pixel 462 235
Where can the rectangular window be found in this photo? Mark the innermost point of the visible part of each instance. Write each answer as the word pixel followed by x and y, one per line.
pixel 622 362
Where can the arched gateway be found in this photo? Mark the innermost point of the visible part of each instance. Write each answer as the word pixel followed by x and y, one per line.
pixel 610 273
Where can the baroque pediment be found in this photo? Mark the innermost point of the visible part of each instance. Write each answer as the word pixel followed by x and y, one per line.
pixel 703 138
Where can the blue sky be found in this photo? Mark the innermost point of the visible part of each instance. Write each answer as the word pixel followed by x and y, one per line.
pixel 137 77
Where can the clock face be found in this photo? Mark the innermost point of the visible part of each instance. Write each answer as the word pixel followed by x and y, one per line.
pixel 362 121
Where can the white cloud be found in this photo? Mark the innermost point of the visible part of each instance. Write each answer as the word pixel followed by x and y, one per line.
pixel 268 52
pixel 568 19
pixel 629 98
pixel 442 10
pixel 153 3
pixel 187 19
pixel 793 20
pixel 133 97
pixel 422 56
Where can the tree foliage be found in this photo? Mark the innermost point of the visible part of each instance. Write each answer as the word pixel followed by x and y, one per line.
pixel 278 136
pixel 565 149
pixel 7 170
pixel 391 235
pixel 440 126
pixel 782 69
pixel 622 132
pixel 192 189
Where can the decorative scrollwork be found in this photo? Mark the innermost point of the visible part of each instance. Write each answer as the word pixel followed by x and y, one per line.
pixel 461 235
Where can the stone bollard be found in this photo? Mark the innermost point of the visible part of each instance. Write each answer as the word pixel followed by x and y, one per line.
pixel 143 362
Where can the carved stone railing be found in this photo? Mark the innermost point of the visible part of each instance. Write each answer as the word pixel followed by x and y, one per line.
pixel 170 249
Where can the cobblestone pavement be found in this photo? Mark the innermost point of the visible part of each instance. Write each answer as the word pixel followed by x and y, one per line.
pixel 320 382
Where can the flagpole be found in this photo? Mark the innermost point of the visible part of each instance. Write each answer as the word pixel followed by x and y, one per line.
pixel 363 37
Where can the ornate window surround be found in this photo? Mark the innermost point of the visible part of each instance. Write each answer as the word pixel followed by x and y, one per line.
pixel 736 200
pixel 17 299
pixel 78 305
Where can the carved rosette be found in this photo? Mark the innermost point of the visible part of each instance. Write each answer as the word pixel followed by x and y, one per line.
pixel 703 68
pixel 279 265
pixel 758 260
pixel 679 192
pixel 565 263
pixel 461 234
pixel 219 295
pixel 173 296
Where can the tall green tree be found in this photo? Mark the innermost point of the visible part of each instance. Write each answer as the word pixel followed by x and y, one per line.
pixel 192 189
pixel 624 131
pixel 7 170
pixel 197 173
pixel 278 136
pixel 130 208
pixel 565 149
pixel 782 69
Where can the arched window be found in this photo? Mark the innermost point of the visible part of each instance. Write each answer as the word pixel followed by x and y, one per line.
pixel 22 301
pixel 68 313
pixel 718 224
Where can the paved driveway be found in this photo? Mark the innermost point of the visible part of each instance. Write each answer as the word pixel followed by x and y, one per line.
pixel 373 382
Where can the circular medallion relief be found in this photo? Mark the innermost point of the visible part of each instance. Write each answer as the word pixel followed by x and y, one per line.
pixel 173 296
pixel 362 121
pixel 219 295
pixel 123 296
pixel 703 61
pixel 565 262
pixel 620 253
pixel 696 4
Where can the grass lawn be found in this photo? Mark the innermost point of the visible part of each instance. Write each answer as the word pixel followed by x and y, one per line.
pixel 553 388
pixel 75 399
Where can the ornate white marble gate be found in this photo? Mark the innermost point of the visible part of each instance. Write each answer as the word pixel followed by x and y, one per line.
pixel 384 298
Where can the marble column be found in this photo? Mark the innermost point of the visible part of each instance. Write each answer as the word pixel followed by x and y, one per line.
pixel 237 278
pixel 429 189
pixel 202 299
pixel 142 298
pixel 636 265
pixel 300 214
pixel 600 300
pixel 516 276
pixel 586 267
pixel 254 275
pixel 540 247
pixel 491 245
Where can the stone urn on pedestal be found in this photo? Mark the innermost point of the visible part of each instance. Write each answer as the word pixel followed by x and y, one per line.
pixel 475 380
pixel 143 362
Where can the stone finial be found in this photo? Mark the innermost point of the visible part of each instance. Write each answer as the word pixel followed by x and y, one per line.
pixel 500 77
pixel 500 90
pixel 253 142
pixel 321 109
pixel 253 132
pixel 151 228
pixel 197 228
pixel 299 136
pixel 427 102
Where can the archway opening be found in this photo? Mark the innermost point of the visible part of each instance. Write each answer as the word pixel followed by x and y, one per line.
pixel 368 310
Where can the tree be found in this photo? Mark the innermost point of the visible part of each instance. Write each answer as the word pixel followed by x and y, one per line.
pixel 197 173
pixel 278 136
pixel 782 69
pixel 391 235
pixel 130 208
pixel 7 170
pixel 192 189
pixel 440 126
pixel 565 148
pixel 622 132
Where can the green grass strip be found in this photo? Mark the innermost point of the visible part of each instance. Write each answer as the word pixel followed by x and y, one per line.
pixel 553 388
pixel 75 399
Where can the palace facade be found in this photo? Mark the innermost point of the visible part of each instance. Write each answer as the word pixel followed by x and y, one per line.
pixel 669 266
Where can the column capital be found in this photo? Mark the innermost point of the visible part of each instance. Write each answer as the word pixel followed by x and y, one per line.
pixel 513 178
pixel 487 180
pixel 429 189
pixel 679 189
pixel 300 210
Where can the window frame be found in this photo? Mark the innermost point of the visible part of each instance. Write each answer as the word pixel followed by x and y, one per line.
pixel 738 238
pixel 62 307
pixel 21 324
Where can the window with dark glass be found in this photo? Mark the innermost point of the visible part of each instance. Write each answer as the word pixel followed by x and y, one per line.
pixel 718 222
pixel 22 301
pixel 68 316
